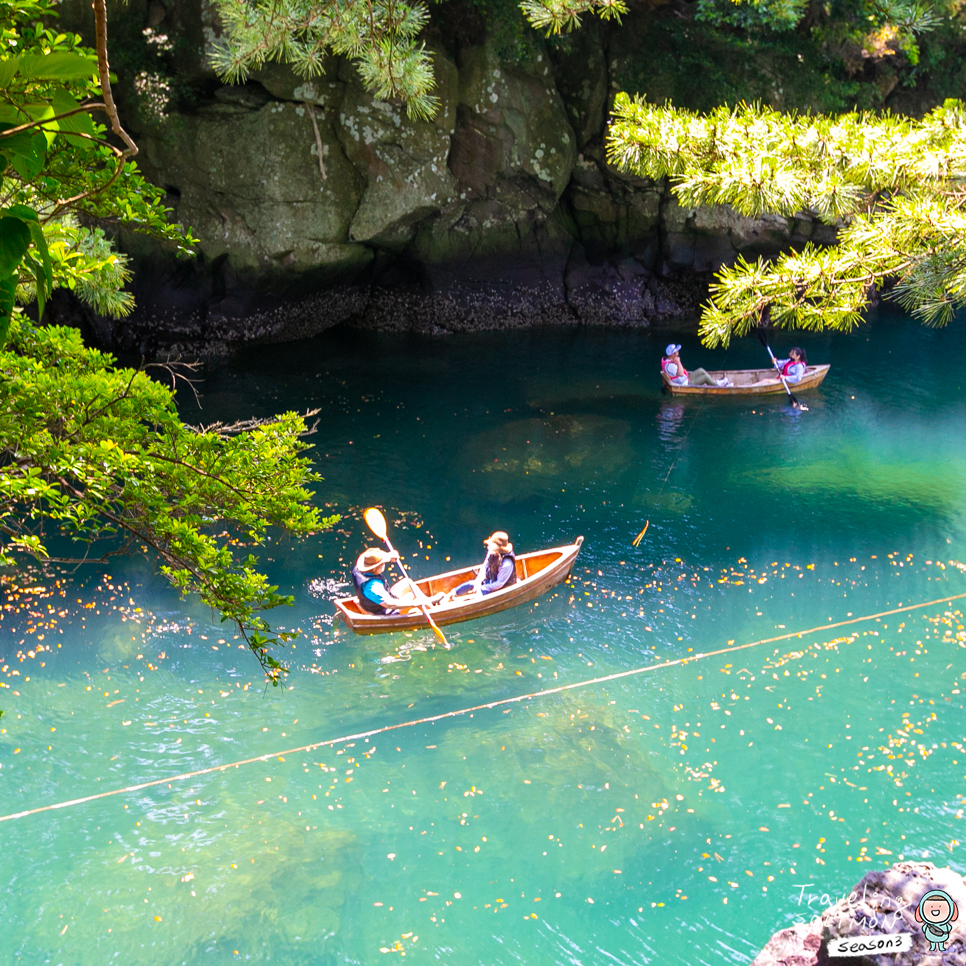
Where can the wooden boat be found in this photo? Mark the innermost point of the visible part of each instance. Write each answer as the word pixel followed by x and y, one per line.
pixel 750 382
pixel 537 573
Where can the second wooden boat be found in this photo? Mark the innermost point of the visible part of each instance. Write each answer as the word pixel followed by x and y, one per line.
pixel 750 382
pixel 537 573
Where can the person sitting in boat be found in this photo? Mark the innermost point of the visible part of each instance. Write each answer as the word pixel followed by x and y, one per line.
pixel 371 591
pixel 499 569
pixel 793 369
pixel 674 369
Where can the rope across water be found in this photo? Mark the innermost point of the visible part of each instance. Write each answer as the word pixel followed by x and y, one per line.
pixel 616 676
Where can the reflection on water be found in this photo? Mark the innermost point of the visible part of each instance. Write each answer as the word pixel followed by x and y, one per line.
pixel 670 420
pixel 594 825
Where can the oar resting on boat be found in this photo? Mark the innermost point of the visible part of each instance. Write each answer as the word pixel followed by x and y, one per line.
pixel 537 573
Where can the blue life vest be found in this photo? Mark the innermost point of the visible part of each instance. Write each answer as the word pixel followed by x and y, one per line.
pixel 361 580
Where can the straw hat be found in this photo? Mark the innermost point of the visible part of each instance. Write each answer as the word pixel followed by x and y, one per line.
pixel 372 558
pixel 499 542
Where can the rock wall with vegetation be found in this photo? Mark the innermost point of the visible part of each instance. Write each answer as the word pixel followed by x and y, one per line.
pixel 316 204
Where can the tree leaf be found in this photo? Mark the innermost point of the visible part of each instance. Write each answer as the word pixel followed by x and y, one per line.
pixel 27 151
pixel 42 112
pixel 14 239
pixel 22 212
pixel 43 268
pixel 8 68
pixel 81 122
pixel 8 289
pixel 57 66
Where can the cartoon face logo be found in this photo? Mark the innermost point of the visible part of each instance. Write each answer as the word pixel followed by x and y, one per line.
pixel 937 912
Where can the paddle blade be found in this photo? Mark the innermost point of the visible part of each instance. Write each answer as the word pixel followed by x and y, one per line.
pixel 376 522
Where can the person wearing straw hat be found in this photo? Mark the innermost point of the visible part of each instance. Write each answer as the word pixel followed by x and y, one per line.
pixel 499 569
pixel 677 375
pixel 370 583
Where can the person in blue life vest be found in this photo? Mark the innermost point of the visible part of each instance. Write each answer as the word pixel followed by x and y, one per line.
pixel 370 584
pixel 793 369
pixel 499 569
pixel 673 368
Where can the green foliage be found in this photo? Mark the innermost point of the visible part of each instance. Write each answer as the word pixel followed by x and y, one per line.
pixel 909 16
pixel 890 184
pixel 561 16
pixel 752 14
pixel 87 450
pixel 56 162
pixel 84 260
pixel 100 454
pixel 699 66
pixel 380 36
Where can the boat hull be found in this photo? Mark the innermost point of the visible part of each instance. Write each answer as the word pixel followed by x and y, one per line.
pixel 537 573
pixel 750 382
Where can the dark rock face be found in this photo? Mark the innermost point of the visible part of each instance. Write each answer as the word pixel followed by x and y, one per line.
pixel 883 903
pixel 316 204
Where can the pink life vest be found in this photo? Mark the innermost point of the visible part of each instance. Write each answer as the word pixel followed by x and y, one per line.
pixel 681 372
pixel 788 365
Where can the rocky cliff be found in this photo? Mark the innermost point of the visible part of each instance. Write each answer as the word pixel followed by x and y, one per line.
pixel 316 204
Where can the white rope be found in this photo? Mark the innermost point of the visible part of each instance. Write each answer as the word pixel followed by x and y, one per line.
pixel 479 707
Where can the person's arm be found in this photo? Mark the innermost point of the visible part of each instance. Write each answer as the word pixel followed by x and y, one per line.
pixel 380 594
pixel 480 577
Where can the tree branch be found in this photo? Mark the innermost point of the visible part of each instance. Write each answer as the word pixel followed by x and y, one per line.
pixel 104 70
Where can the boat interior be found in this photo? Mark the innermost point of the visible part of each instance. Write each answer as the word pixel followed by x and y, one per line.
pixel 752 377
pixel 527 566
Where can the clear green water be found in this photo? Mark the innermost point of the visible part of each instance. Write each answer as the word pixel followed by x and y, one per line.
pixel 678 816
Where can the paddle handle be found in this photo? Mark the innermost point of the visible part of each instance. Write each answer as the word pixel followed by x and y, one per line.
pixel 439 634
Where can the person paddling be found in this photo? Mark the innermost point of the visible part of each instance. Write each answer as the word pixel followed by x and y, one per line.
pixel 677 375
pixel 371 590
pixel 499 569
pixel 793 369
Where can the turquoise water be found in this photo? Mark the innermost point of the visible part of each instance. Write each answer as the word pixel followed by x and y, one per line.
pixel 681 815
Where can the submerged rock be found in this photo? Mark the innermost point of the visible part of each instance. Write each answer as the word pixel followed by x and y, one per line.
pixel 531 457
pixel 883 903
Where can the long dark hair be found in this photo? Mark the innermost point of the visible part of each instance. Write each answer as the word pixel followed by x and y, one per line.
pixel 801 354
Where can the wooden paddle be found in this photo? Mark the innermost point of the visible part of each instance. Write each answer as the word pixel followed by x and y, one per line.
pixel 791 399
pixel 377 524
